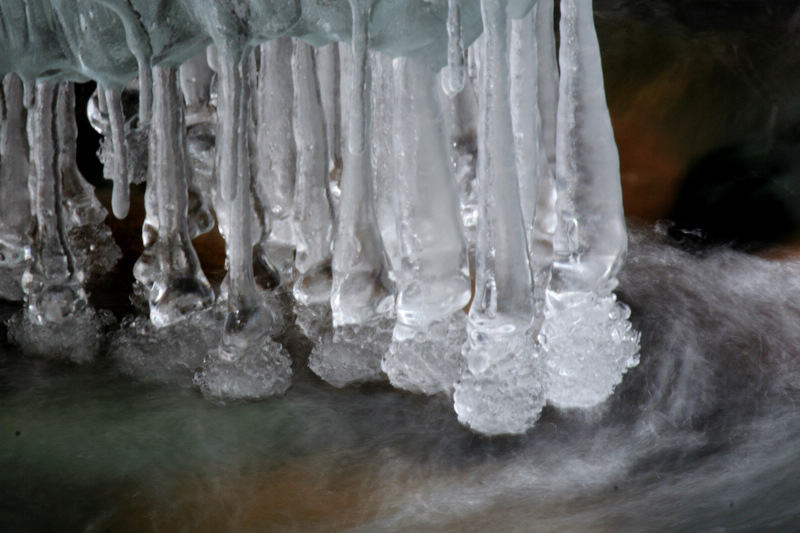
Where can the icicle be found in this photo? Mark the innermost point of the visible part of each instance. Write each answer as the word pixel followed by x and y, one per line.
pixel 117 169
pixel 312 217
pixel 196 78
pixel 434 277
pixel 547 76
pixel 501 392
pixel 356 133
pixel 228 130
pixel 536 181
pixel 139 43
pixel 247 363
pixel 360 292
pixel 433 280
pixel 382 155
pixel 588 340
pixel 179 286
pixel 95 250
pixel 57 321
pixel 276 158
pixel 52 284
pixel 454 78
pixel 15 203
pixel 328 72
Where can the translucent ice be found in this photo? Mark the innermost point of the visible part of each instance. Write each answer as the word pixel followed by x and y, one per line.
pixel 501 388
pixel 588 340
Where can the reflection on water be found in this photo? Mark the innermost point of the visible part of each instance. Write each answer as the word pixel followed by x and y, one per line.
pixel 702 436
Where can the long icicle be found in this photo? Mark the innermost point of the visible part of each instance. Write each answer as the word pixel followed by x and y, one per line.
pixel 312 217
pixel 501 391
pixel 356 132
pixel 588 339
pixel 433 282
pixel 179 287
pixel 118 167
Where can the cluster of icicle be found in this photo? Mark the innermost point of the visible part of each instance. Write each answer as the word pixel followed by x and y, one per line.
pixel 366 187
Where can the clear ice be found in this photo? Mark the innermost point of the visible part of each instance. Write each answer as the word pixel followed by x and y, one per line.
pixel 369 167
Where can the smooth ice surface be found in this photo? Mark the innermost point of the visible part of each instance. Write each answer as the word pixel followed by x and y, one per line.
pixel 179 286
pixel 433 272
pixel 361 289
pixel 276 159
pixel 313 220
pixel 503 301
pixel 591 240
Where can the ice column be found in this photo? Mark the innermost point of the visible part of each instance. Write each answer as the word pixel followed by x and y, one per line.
pixel 312 215
pixel 276 156
pixel 433 282
pixel 588 340
pixel 14 199
pixel 179 286
pixel 501 391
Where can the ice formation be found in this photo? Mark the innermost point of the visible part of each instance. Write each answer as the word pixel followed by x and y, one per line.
pixel 366 179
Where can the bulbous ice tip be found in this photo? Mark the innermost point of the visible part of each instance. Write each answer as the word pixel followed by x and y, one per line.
pixel 56 303
pixel 245 327
pixel 176 298
pixel 266 275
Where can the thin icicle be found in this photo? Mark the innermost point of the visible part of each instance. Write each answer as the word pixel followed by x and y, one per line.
pixel 328 72
pixel 501 392
pixel 382 115
pixel 537 185
pixel 116 170
pixel 454 79
pixel 547 76
pixel 312 217
pixel 179 286
pixel 15 201
pixel 356 137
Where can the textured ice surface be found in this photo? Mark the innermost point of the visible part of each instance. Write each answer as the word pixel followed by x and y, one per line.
pixel 170 354
pixel 80 338
pixel 352 354
pixel 588 344
pixel 427 360
pixel 259 371
pixel 501 391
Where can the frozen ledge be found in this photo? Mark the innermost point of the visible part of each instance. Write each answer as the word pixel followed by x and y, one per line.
pixel 98 39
